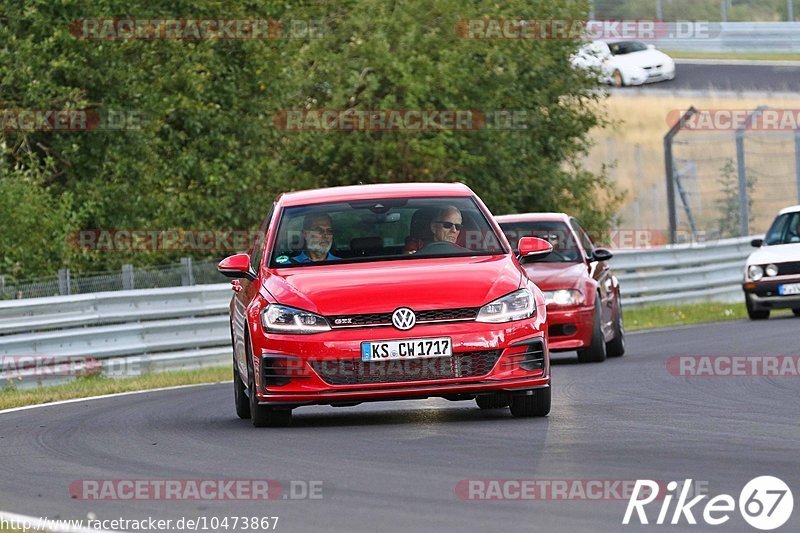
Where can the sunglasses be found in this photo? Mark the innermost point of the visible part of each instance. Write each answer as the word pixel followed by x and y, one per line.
pixel 449 225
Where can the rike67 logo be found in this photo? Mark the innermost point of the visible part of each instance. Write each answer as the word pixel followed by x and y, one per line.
pixel 765 503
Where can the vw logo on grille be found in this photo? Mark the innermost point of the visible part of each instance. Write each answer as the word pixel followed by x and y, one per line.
pixel 404 318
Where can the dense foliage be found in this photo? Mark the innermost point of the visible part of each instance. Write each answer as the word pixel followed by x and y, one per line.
pixel 202 150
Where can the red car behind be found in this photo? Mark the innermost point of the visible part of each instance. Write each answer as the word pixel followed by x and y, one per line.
pixel 584 309
pixel 382 292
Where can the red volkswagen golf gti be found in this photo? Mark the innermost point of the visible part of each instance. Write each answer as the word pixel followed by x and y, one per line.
pixel 385 292
pixel 583 300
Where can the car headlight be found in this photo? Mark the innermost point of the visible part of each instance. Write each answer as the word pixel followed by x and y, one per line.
pixel 755 272
pixel 283 319
pixel 563 297
pixel 772 270
pixel 515 306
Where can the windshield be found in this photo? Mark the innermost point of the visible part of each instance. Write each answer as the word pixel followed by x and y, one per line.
pixel 785 229
pixel 370 230
pixel 565 249
pixel 626 47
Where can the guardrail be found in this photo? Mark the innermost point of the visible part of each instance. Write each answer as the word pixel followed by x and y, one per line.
pixel 130 332
pixel 123 333
pixel 772 37
pixel 683 273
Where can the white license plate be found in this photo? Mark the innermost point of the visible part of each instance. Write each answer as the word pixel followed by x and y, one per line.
pixel 790 288
pixel 406 349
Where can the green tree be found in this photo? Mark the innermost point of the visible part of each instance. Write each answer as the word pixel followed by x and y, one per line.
pixel 728 204
pixel 207 153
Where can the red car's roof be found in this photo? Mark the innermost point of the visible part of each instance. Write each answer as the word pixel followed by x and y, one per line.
pixel 533 217
pixel 380 190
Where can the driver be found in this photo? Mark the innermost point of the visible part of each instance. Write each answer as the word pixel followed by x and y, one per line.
pixel 447 224
pixel 318 236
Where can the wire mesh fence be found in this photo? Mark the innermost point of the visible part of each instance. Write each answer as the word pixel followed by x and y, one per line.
pixel 726 187
pixel 187 272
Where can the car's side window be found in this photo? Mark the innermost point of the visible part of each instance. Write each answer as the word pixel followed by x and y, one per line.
pixel 258 248
pixel 588 245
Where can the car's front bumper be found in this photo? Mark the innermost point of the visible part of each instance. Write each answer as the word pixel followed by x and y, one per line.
pixel 326 368
pixel 763 294
pixel 570 329
pixel 662 74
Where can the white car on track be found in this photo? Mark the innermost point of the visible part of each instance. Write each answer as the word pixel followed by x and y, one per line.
pixel 625 62
pixel 772 273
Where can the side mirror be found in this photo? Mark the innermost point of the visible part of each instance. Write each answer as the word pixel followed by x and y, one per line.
pixel 756 243
pixel 601 254
pixel 532 248
pixel 236 266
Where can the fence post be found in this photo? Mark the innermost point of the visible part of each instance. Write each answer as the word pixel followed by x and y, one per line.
pixel 64 287
pixel 127 277
pixel 744 204
pixel 668 163
pixel 187 276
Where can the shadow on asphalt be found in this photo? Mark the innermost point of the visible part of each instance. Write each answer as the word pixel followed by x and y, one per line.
pixel 456 413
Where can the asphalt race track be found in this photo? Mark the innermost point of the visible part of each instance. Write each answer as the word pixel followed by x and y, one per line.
pixel 726 77
pixel 394 466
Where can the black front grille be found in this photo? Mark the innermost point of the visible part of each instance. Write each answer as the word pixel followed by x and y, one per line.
pixel 788 269
pixel 357 372
pixel 382 319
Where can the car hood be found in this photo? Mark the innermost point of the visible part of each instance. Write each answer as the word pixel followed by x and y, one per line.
pixel 551 276
pixel 383 286
pixel 777 253
pixel 645 58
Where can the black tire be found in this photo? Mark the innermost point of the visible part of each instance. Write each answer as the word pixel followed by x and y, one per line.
pixel 492 401
pixel 753 313
pixel 538 404
pixel 596 351
pixel 796 312
pixel 616 346
pixel 240 394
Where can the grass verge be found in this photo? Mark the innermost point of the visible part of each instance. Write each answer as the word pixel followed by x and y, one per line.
pixel 662 316
pixel 99 385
